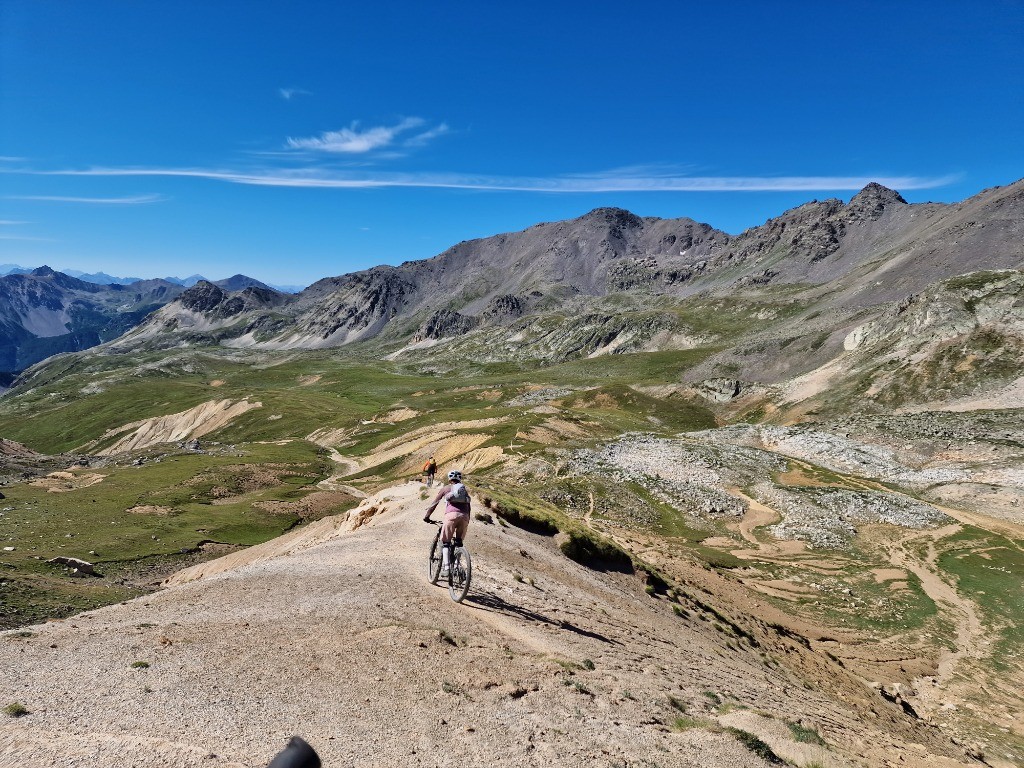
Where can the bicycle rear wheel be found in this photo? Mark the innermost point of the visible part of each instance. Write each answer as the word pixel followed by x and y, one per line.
pixel 460 574
pixel 434 561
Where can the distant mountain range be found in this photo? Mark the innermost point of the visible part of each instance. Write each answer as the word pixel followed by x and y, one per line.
pixel 823 281
pixel 826 290
pixel 102 278
pixel 44 312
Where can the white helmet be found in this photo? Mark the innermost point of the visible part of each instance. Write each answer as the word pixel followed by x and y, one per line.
pixel 455 476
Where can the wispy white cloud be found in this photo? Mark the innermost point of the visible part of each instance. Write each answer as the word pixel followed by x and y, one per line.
pixel 357 140
pixel 612 181
pixel 5 236
pixel 10 223
pixel 420 139
pixel 290 93
pixel 133 200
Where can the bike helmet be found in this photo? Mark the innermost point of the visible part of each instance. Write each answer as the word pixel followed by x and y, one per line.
pixel 455 476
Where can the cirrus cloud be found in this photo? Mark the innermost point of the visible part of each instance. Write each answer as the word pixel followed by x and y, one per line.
pixel 132 200
pixel 622 180
pixel 358 140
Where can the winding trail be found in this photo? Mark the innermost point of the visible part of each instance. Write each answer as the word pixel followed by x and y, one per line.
pixel 970 637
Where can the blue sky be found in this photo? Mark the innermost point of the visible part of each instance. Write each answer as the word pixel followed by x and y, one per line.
pixel 296 141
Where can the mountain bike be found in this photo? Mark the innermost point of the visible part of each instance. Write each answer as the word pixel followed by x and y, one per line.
pixel 460 565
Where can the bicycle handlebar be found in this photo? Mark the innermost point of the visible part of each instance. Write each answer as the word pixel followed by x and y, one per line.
pixel 298 754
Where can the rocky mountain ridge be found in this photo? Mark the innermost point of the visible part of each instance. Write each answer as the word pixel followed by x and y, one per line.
pixel 45 312
pixel 609 251
pixel 776 302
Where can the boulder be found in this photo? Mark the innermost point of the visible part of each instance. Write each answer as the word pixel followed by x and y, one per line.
pixel 78 567
pixel 720 390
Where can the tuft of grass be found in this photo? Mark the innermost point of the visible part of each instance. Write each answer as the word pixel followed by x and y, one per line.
pixel 484 517
pixel 451 688
pixel 445 637
pixel 755 745
pixel 685 723
pixel 587 664
pixel 805 735
pixel 16 709
pixel 140 665
pixel 713 697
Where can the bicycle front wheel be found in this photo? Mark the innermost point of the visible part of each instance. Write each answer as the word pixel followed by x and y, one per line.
pixel 460 574
pixel 434 560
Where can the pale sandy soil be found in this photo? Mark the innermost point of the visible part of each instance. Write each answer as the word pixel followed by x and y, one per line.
pixel 333 632
pixel 195 422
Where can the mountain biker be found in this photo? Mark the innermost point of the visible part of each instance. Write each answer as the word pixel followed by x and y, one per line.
pixel 456 513
pixel 429 470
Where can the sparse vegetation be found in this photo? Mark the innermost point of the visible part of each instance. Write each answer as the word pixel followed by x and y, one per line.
pixel 713 697
pixel 755 745
pixel 16 709
pixel 686 723
pixel 140 665
pixel 805 735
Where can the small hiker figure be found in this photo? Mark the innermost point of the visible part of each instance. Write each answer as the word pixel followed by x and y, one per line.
pixel 429 470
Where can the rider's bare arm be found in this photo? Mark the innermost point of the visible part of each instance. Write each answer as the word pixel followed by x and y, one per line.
pixel 437 500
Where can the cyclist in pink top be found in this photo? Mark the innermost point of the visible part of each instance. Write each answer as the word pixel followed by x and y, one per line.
pixel 456 512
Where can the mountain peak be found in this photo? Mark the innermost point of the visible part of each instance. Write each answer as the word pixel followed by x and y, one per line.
pixel 43 271
pixel 874 199
pixel 617 216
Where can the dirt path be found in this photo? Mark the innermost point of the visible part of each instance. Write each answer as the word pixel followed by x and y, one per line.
pixel 346 467
pixel 970 640
pixel 757 516
pixel 333 632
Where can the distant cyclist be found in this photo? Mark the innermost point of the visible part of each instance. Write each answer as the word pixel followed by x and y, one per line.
pixel 429 470
pixel 456 512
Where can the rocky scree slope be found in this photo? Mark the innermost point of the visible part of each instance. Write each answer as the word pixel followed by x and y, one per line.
pixel 960 335
pixel 872 250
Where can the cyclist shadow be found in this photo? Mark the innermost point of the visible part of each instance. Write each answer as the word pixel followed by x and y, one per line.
pixel 488 602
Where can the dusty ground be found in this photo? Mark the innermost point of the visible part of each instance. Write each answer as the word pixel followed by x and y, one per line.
pixel 332 632
pixel 195 422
